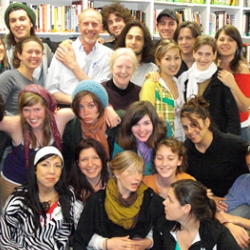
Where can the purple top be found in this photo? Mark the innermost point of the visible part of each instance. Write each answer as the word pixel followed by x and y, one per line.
pixel 14 167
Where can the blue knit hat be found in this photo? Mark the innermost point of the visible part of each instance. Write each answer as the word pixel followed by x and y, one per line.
pixel 93 87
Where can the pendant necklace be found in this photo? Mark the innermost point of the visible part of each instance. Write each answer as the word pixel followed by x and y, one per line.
pixel 46 204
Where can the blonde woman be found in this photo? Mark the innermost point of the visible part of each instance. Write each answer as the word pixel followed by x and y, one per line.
pixel 123 215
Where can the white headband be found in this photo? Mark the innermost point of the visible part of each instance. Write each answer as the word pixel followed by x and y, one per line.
pixel 46 151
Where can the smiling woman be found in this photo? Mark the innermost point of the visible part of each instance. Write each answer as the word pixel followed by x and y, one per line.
pixel 140 131
pixel 88 172
pixel 42 206
pixel 165 94
pixel 202 79
pixel 123 214
pixel 37 125
pixel 121 91
pixel 27 57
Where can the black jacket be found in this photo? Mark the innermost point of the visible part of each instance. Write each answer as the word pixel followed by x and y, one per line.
pixel 94 219
pixel 211 233
pixel 223 108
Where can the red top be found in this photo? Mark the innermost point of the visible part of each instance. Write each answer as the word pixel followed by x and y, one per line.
pixel 243 81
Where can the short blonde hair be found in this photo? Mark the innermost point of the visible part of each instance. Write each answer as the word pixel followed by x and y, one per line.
pixel 124 160
pixel 123 52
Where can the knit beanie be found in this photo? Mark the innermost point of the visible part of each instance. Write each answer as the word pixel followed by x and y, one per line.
pixel 93 87
pixel 29 11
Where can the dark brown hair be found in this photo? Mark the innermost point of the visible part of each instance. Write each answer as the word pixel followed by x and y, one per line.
pixel 77 100
pixel 135 112
pixel 148 48
pixel 234 33
pixel 118 10
pixel 196 105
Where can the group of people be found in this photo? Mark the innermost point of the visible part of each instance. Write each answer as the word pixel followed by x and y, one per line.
pixel 149 146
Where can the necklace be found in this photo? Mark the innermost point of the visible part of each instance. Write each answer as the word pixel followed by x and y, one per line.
pixel 46 204
pixel 39 142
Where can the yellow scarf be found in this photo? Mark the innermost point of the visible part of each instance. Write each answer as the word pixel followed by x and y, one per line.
pixel 118 213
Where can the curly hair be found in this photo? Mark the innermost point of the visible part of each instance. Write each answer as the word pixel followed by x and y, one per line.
pixel 199 106
pixel 117 9
pixel 177 147
pixel 148 48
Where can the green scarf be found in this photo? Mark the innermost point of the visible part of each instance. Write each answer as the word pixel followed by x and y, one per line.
pixel 123 212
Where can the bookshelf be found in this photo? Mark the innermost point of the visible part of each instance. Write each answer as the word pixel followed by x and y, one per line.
pixel 207 12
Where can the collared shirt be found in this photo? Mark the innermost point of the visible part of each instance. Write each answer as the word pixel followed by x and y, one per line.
pixel 95 65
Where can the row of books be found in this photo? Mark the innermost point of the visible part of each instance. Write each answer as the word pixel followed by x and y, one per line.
pixel 218 19
pixel 225 2
pixel 246 3
pixel 246 24
pixel 217 2
pixel 184 1
pixel 52 18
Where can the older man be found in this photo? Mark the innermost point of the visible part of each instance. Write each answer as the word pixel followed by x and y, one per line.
pixel 85 59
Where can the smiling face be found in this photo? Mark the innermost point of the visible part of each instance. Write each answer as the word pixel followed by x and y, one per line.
pixel 35 115
pixel 90 164
pixel 135 40
pixel 196 132
pixel 226 45
pixel 186 40
pixel 31 56
pixel 48 172
pixel 129 180
pixel 89 26
pixel 20 24
pixel 143 129
pixel 170 63
pixel 88 110
pixel 166 27
pixel 166 162
pixel 122 70
pixel 115 24
pixel 204 57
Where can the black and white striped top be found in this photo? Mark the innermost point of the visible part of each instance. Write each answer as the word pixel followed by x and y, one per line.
pixel 17 230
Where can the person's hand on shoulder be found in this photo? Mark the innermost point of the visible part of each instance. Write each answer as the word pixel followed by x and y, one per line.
pixel 112 118
pixel 66 54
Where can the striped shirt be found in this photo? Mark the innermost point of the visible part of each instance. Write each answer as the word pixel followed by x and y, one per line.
pixel 17 230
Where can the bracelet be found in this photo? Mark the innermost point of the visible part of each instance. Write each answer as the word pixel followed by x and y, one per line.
pixel 106 244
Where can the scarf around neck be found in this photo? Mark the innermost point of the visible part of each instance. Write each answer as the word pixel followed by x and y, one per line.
pixel 195 76
pixel 96 131
pixel 123 212
pixel 144 151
